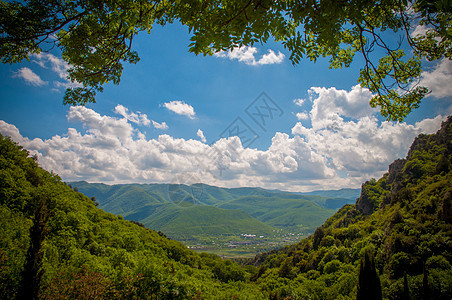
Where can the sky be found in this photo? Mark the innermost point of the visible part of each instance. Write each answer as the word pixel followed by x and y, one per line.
pixel 244 118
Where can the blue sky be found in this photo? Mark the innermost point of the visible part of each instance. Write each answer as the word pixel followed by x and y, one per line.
pixel 174 114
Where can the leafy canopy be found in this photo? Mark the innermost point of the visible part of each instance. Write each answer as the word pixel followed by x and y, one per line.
pixel 96 37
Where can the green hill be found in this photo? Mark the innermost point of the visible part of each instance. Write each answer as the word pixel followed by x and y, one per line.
pixel 282 212
pixel 403 222
pixel 182 211
pixel 56 244
pixel 154 206
pixel 350 194
pixel 183 222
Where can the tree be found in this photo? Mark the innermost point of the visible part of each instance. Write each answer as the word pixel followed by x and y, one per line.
pixel 406 289
pixel 425 285
pixel 368 281
pixel 96 37
pixel 319 233
pixel 30 286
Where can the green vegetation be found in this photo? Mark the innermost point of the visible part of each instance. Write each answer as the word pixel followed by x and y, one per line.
pixel 282 212
pixel 214 219
pixel 400 229
pixel 55 243
pixel 96 38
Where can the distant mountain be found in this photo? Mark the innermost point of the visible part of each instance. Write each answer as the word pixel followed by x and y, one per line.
pixel 275 211
pixel 181 210
pixel 185 222
pixel 351 194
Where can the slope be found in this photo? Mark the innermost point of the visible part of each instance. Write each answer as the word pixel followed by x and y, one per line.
pixel 351 194
pixel 56 244
pixel 183 222
pixel 403 221
pixel 280 212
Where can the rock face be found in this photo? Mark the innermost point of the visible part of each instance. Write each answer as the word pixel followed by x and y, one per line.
pixel 394 170
pixel 363 203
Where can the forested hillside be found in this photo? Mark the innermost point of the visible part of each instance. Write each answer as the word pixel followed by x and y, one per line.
pixel 56 244
pixel 401 222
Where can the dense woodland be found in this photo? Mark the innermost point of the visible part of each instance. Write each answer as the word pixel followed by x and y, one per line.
pixel 56 244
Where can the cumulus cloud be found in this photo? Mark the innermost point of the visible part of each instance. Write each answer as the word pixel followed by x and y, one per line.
pixel 339 150
pixel 271 58
pixel 439 79
pixel 29 76
pixel 246 54
pixel 57 65
pixel 162 125
pixel 346 132
pixel 137 118
pixel 111 150
pixel 200 133
pixel 298 101
pixel 331 103
pixel 180 108
pixel 302 116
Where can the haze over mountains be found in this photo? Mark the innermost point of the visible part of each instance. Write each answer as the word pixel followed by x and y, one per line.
pixel 181 211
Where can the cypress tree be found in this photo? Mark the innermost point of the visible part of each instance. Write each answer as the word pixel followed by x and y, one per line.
pixel 406 289
pixel 425 286
pixel 369 287
pixel 32 273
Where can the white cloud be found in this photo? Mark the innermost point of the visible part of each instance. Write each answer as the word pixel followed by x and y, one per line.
pixel 302 116
pixel 57 65
pixel 162 125
pixel 298 102
pixel 422 30
pixel 331 104
pixel 439 79
pixel 419 30
pixel 180 108
pixel 29 76
pixel 200 133
pixel 112 150
pixel 137 118
pixel 351 137
pixel 243 54
pixel 271 58
pixel 246 54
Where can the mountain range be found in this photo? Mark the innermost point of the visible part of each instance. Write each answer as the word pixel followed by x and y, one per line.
pixel 182 211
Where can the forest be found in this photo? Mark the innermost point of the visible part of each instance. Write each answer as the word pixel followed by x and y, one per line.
pixel 394 243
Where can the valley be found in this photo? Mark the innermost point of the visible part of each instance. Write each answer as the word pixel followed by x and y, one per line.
pixel 243 245
pixel 229 222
